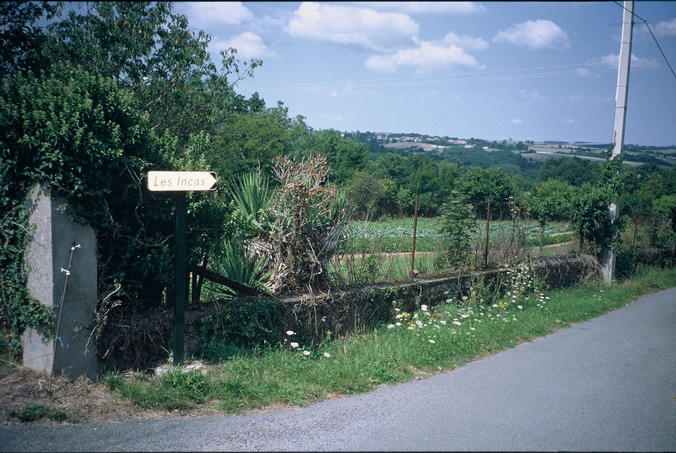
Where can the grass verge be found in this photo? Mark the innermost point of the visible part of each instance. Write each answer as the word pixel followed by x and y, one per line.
pixel 415 344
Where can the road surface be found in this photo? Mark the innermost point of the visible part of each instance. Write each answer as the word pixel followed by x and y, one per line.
pixel 608 384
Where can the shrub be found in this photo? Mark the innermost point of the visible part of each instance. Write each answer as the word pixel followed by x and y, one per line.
pixel 240 323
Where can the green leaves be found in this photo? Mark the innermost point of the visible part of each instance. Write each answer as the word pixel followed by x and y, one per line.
pixel 251 193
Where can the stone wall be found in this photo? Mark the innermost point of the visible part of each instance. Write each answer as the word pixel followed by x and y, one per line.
pixel 140 340
pixel 345 311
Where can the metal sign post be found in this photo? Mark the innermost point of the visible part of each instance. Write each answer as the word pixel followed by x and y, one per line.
pixel 180 182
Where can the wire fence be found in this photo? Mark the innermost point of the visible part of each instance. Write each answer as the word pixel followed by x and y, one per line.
pixel 391 248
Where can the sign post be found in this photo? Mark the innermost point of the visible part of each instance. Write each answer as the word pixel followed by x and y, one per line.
pixel 180 182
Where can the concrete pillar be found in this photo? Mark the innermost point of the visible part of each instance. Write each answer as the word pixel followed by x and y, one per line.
pixel 48 252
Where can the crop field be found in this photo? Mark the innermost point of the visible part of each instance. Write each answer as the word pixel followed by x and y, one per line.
pixel 381 250
pixel 396 235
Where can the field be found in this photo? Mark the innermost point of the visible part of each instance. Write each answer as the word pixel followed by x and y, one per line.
pixel 381 250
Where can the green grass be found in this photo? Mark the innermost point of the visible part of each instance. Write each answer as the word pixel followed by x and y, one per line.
pixel 34 412
pixel 387 355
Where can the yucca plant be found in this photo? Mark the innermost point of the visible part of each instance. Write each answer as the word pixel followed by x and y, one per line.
pixel 241 264
pixel 251 194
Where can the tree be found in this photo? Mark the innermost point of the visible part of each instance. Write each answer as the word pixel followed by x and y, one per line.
pixel 457 228
pixel 368 197
pixel 591 216
pixel 253 139
pixel 344 156
pixel 79 134
pixel 89 104
pixel 479 185
pixel 551 200
pixel 574 171
pixel 20 38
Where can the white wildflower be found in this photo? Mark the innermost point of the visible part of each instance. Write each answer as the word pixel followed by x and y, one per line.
pixel 431 341
pixel 390 326
pixel 327 355
pixel 423 307
pixel 306 352
pixel 294 344
pixel 290 332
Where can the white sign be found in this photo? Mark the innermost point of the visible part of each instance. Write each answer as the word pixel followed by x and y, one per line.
pixel 180 181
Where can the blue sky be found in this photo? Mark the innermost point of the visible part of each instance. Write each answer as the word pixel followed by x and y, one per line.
pixel 493 70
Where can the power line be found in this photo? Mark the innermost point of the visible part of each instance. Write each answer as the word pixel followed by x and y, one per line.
pixel 653 36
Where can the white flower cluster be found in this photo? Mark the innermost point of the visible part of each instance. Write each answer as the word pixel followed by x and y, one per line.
pixel 295 345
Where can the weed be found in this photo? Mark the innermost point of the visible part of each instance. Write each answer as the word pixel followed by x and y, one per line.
pixel 34 412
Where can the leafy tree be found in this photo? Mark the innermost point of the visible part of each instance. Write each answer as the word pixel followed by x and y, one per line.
pixel 479 185
pixel 79 134
pixel 551 200
pixel 345 156
pixel 368 196
pixel 392 166
pixel 573 171
pixel 254 139
pixel 591 216
pixel 20 38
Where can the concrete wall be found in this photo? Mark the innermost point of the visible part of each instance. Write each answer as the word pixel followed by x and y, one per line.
pixel 48 251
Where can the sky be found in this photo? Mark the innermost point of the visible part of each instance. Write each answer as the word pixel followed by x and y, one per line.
pixel 492 70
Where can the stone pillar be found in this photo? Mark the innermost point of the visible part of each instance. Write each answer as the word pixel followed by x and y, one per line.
pixel 46 258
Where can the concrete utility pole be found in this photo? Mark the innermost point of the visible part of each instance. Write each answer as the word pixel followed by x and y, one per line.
pixel 608 256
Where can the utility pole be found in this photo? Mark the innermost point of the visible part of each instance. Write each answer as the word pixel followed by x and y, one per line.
pixel 608 255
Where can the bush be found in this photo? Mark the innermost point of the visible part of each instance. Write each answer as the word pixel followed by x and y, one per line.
pixel 240 323
pixel 624 264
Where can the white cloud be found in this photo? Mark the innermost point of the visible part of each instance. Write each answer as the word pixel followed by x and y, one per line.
pixel 248 45
pixel 465 41
pixel 350 25
pixel 429 7
pixel 665 28
pixel 231 13
pixel 532 95
pixel 517 121
pixel 613 61
pixel 348 88
pixel 534 34
pixel 583 72
pixel 424 57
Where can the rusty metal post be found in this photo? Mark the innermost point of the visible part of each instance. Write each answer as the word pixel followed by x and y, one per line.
pixel 488 222
pixel 415 227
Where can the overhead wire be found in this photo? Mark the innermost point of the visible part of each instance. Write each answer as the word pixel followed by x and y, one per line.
pixel 651 34
pixel 487 76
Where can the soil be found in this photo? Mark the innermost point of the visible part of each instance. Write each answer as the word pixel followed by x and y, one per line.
pixel 82 401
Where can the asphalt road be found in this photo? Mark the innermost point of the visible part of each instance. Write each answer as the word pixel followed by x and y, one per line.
pixel 608 384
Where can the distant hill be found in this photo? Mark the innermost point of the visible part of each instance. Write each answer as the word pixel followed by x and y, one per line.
pixel 525 154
